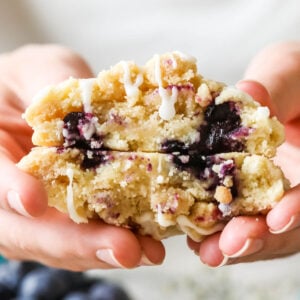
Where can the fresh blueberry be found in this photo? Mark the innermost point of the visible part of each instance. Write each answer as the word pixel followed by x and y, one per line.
pixel 6 293
pixel 107 291
pixel 77 295
pixel 12 272
pixel 48 283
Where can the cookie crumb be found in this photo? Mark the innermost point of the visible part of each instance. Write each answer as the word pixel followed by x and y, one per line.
pixel 223 194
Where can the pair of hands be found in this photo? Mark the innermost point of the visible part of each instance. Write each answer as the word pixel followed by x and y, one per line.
pixel 30 230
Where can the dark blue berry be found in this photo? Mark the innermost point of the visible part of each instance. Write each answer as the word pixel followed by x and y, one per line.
pixel 6 293
pixel 107 291
pixel 77 295
pixel 47 283
pixel 12 272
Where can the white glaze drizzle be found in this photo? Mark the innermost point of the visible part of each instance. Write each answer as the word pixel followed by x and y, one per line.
pixel 186 226
pixel 131 88
pixel 86 87
pixel 148 225
pixel 70 199
pixel 174 62
pixel 167 108
pixel 90 128
pixel 159 165
pixel 162 220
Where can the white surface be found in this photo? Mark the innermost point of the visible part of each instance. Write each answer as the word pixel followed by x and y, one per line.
pixel 183 277
pixel 224 36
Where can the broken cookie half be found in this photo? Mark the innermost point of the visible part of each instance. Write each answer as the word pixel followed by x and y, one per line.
pixel 157 149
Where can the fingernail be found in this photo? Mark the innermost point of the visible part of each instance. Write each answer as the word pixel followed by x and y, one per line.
pixel 251 246
pixel 293 223
pixel 107 256
pixel 15 203
pixel 145 261
pixel 223 262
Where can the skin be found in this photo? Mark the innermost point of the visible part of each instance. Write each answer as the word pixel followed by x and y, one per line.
pixel 36 232
pixel 272 78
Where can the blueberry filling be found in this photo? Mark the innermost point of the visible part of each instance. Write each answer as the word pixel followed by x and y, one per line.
pixel 217 135
pixel 221 132
pixel 79 131
pixel 202 168
pixel 94 158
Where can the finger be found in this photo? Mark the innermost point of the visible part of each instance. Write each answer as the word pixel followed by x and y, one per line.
pixel 55 240
pixel 280 79
pixel 243 236
pixel 195 246
pixel 210 253
pixel 19 191
pixel 257 91
pixel 153 252
pixel 285 216
pixel 292 132
pixel 288 157
pixel 240 241
pixel 33 67
pixel 274 246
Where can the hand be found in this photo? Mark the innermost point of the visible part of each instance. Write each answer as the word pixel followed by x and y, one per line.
pixel 29 230
pixel 274 81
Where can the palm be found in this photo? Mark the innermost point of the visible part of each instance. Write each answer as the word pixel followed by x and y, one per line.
pixel 15 134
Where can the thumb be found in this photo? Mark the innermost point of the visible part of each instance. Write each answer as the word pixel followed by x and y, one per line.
pixel 285 216
pixel 257 91
pixel 20 192
pixel 32 67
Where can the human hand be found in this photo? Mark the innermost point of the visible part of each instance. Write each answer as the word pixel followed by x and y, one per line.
pixel 29 230
pixel 273 79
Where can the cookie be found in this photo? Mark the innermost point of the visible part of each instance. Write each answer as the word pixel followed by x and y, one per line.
pixel 164 106
pixel 154 193
pixel 158 149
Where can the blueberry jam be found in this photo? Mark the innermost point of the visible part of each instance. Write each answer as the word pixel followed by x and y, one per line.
pixel 221 132
pixel 202 168
pixel 218 133
pixel 79 131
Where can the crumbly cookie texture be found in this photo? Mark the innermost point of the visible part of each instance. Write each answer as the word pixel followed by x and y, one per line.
pixel 132 108
pixel 157 148
pixel 154 193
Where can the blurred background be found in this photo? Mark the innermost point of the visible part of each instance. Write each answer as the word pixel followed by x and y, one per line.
pixel 224 36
